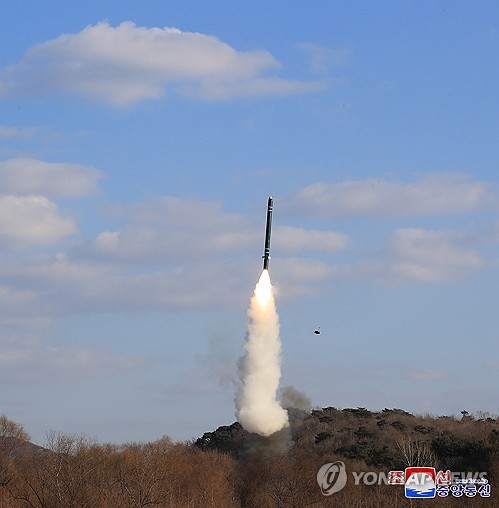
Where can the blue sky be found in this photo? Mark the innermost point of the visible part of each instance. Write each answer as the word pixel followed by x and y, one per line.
pixel 139 142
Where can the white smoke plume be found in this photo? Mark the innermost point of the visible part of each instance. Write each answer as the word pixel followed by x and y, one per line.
pixel 258 410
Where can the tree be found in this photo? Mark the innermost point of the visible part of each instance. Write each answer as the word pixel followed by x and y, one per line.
pixel 416 453
pixel 12 439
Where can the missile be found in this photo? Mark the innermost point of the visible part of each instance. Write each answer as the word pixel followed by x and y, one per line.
pixel 268 232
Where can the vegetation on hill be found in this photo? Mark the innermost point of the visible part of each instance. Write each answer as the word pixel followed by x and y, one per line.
pixel 229 467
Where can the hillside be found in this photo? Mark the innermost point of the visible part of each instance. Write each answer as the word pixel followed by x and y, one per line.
pixel 379 439
pixel 230 468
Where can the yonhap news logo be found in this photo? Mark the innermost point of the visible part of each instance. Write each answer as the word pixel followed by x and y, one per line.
pixel 332 477
pixel 418 482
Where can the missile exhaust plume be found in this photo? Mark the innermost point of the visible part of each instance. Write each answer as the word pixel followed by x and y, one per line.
pixel 258 410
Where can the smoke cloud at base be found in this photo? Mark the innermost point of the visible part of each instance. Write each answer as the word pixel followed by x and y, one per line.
pixel 292 398
pixel 257 408
pixel 257 446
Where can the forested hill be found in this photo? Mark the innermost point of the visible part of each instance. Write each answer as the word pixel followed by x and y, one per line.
pixel 230 468
pixel 391 438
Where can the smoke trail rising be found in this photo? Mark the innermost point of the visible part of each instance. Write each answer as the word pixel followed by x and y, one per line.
pixel 258 410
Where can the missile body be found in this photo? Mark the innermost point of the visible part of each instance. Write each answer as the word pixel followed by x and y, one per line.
pixel 268 232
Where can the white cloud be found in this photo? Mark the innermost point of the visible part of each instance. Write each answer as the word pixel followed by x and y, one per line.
pixel 298 277
pixel 222 89
pixel 32 221
pixel 173 254
pixel 189 249
pixel 436 247
pixel 21 307
pixel 127 63
pixel 321 57
pixel 79 286
pixel 170 254
pixel 292 240
pixel 425 375
pixel 28 358
pixel 445 193
pixel 51 179
pixel 168 230
pixel 418 255
pixel 16 132
pixel 202 231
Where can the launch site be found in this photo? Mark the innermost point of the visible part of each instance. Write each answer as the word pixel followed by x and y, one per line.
pixel 249 254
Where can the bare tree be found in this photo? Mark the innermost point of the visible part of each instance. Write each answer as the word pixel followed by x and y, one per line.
pixel 12 438
pixel 416 452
